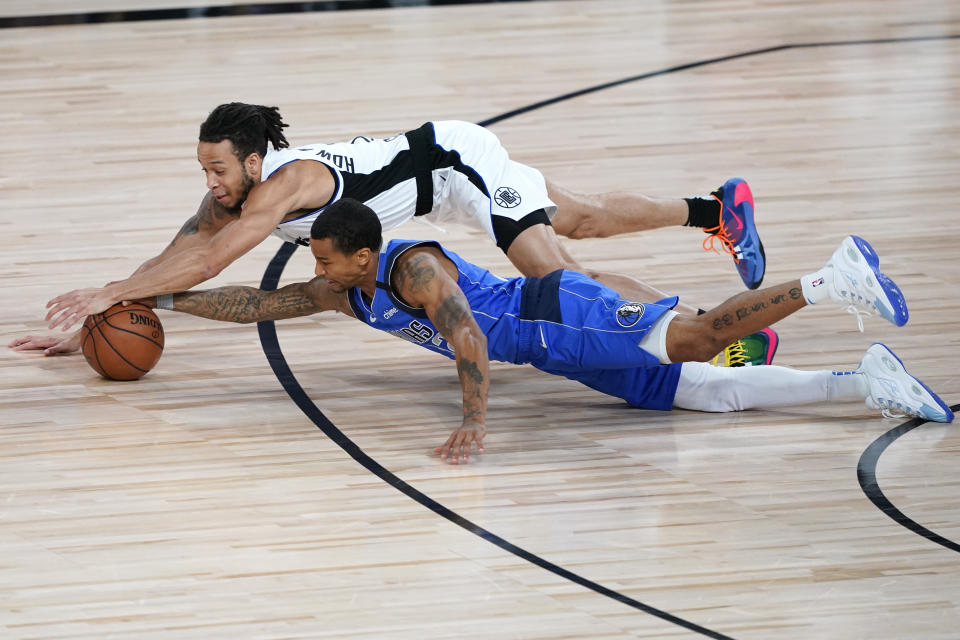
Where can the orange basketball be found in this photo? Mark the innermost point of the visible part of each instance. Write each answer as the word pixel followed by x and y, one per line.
pixel 122 343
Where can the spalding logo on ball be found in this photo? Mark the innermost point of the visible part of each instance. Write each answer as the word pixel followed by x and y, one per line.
pixel 123 342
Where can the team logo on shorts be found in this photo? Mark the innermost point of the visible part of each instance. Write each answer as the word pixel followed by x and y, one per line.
pixel 506 197
pixel 629 314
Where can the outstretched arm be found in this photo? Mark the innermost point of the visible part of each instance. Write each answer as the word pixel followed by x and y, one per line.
pixel 197 231
pixel 247 304
pixel 296 186
pixel 422 280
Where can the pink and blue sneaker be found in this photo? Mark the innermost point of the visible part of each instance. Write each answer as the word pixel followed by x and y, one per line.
pixel 737 232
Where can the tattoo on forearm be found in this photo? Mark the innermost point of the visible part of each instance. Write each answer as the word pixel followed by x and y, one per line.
pixel 470 369
pixel 245 304
pixel 474 393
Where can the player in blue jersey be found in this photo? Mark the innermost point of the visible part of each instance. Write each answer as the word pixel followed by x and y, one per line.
pixel 568 324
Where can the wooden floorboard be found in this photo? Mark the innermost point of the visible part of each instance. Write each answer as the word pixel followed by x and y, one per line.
pixel 199 502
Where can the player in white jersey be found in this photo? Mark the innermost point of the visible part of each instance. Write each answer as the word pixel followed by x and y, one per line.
pixel 444 171
pixel 447 170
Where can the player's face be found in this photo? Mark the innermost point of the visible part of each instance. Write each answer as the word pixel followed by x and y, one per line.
pixel 341 271
pixel 228 179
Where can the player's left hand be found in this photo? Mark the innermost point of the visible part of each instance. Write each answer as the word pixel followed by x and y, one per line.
pixel 68 309
pixel 457 446
pixel 51 345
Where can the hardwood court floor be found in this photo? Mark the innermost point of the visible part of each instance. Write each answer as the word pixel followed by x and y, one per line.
pixel 200 502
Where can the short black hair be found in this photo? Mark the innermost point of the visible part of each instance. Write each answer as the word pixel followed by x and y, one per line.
pixel 350 225
pixel 248 126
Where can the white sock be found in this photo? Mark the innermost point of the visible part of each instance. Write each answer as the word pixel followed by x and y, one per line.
pixel 703 387
pixel 816 286
pixel 849 385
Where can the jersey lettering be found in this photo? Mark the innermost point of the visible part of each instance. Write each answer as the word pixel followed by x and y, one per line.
pixel 420 333
pixel 343 163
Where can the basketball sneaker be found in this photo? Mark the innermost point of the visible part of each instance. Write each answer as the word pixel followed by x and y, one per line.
pixel 737 233
pixel 750 351
pixel 897 393
pixel 858 282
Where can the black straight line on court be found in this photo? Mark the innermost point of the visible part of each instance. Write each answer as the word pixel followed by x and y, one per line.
pixel 219 11
pixel 271 348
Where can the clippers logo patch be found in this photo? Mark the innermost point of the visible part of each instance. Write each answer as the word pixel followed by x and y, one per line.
pixel 506 197
pixel 629 314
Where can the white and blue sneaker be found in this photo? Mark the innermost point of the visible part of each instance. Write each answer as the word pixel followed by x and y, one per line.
pixel 858 282
pixel 897 393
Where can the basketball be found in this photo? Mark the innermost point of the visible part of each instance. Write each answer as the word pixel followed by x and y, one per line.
pixel 123 342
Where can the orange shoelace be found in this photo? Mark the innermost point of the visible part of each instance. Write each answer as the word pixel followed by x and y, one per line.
pixel 720 233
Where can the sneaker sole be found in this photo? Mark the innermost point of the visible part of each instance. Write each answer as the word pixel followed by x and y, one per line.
pixel 897 313
pixel 948 417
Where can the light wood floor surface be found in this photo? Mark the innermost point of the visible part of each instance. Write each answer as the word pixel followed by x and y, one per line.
pixel 199 502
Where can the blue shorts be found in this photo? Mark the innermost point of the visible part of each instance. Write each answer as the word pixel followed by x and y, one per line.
pixel 575 327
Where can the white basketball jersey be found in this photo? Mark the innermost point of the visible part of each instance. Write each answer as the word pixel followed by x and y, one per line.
pixel 377 172
pixel 454 171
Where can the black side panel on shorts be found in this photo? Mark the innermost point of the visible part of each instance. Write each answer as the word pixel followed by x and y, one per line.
pixel 541 298
pixel 421 142
pixel 506 230
pixel 424 156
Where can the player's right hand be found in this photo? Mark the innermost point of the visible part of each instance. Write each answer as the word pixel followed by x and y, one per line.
pixel 457 446
pixel 51 345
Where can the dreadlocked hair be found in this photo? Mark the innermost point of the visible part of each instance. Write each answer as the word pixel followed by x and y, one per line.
pixel 248 126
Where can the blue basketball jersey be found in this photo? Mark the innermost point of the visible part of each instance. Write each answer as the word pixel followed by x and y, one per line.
pixel 564 323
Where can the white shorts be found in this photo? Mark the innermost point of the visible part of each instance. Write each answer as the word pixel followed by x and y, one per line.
pixel 513 190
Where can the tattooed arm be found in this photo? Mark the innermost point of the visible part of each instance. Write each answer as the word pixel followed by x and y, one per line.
pixel 210 217
pixel 247 304
pixel 425 278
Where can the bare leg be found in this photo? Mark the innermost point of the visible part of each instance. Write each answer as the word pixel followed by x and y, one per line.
pixel 699 338
pixel 537 251
pixel 607 214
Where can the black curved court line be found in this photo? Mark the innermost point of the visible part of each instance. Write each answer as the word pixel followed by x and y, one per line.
pixel 277 361
pixel 271 348
pixel 703 63
pixel 867 476
pixel 219 11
